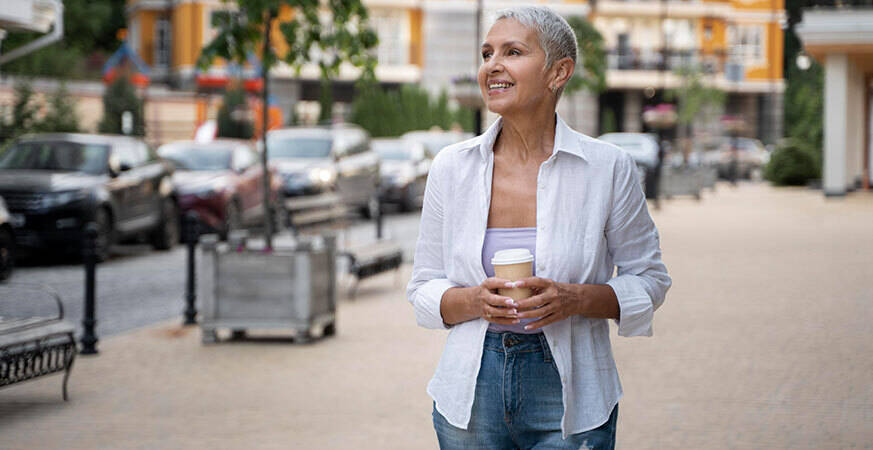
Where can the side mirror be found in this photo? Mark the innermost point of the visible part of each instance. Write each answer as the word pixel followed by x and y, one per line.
pixel 125 167
pixel 114 166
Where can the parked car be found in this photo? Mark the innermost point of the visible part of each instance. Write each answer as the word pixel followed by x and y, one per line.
pixel 315 160
pixel 222 181
pixel 7 243
pixel 643 148
pixel 54 184
pixel 434 141
pixel 751 157
pixel 404 172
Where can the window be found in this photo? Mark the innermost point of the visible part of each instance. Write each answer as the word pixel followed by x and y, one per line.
pixel 747 44
pixel 392 29
pixel 243 159
pixel 162 43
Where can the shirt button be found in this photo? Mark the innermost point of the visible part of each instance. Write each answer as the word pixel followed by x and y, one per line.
pixel 564 380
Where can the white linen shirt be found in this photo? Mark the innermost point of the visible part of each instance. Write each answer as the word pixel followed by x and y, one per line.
pixel 591 217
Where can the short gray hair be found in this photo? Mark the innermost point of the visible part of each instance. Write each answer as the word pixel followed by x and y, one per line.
pixel 556 36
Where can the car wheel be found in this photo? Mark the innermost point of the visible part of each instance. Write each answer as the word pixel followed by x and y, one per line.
pixel 232 219
pixel 105 234
pixel 7 254
pixel 167 233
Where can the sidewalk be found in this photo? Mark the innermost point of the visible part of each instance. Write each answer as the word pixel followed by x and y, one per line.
pixel 764 341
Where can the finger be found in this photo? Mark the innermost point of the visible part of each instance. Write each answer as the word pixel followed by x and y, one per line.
pixel 536 312
pixel 534 301
pixel 534 282
pixel 499 301
pixel 494 283
pixel 551 318
pixel 499 313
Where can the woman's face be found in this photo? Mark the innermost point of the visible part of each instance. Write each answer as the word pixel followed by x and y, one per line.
pixel 511 76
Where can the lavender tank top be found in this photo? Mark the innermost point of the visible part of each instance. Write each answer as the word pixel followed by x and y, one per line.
pixel 501 239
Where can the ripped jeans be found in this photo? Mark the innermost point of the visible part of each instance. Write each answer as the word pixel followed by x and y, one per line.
pixel 518 402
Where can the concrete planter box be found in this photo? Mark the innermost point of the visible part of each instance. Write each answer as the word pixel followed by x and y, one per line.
pixel 246 288
pixel 682 181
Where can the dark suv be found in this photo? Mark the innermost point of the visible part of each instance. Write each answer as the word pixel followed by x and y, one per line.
pixel 54 184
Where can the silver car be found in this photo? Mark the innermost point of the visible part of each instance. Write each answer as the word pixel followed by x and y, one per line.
pixel 404 172
pixel 316 160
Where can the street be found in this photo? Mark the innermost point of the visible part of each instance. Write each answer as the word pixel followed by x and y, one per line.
pixel 139 286
pixel 764 341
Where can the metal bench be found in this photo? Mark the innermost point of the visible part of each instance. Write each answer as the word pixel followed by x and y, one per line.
pixel 372 259
pixel 31 347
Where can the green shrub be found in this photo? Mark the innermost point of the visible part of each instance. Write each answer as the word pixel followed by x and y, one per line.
pixel 793 164
pixel 119 97
pixel 61 116
pixel 233 117
pixel 391 113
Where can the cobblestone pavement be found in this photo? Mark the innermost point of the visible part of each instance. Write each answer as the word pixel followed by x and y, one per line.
pixel 764 342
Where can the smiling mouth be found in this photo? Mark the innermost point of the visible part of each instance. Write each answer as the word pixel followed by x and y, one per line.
pixel 499 86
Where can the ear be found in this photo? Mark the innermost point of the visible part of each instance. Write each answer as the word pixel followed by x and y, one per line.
pixel 562 71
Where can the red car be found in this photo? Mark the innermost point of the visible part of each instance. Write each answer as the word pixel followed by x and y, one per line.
pixel 222 181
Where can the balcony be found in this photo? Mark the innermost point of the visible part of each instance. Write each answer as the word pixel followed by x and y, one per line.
pixel 664 60
pixel 685 9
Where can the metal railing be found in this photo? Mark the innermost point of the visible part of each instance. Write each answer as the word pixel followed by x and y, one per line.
pixel 664 60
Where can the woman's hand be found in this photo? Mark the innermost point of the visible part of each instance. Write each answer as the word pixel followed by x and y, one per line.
pixel 551 302
pixel 491 306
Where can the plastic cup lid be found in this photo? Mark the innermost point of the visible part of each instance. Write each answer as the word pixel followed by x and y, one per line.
pixel 511 256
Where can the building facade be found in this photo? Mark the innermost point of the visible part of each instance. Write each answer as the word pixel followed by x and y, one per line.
pixel 738 43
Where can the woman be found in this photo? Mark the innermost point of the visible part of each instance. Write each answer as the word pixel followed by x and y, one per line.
pixel 538 372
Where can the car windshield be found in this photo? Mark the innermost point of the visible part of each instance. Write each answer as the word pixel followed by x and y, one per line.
pixel 298 147
pixel 198 158
pixel 391 150
pixel 56 155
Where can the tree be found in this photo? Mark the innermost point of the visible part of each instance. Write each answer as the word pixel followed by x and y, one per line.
pixel 233 115
pixel 696 100
pixel 61 116
pixel 118 98
pixel 327 32
pixel 591 75
pixel 392 113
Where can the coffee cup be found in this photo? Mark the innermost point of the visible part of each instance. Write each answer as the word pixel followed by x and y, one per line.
pixel 513 264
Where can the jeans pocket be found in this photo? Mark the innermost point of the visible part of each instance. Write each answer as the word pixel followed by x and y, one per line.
pixel 547 352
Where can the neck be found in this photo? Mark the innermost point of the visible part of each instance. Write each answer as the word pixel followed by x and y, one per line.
pixel 530 137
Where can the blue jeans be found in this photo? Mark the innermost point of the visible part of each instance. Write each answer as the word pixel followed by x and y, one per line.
pixel 518 402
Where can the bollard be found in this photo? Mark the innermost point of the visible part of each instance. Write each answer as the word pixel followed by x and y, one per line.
pixel 192 235
pixel 379 221
pixel 89 339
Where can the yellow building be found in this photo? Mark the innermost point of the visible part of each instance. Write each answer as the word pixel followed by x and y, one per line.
pixel 737 42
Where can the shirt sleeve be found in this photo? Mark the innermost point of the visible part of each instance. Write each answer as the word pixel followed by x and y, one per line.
pixel 642 281
pixel 429 281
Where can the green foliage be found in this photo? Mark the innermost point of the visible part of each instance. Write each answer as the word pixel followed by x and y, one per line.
pixel 793 163
pixel 804 97
pixel 609 122
pixel 61 116
pixel 345 37
pixel 591 76
pixel 90 27
pixel 28 115
pixel 234 125
pixel 694 96
pixel 121 96
pixel 392 113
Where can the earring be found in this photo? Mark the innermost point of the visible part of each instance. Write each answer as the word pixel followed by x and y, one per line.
pixel 554 89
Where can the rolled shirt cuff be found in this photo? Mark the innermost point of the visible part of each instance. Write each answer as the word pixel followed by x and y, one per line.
pixel 426 303
pixel 635 307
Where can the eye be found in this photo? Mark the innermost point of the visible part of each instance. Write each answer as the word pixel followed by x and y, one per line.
pixel 514 52
pixel 486 54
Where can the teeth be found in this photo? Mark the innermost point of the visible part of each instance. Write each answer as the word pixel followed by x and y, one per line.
pixel 499 85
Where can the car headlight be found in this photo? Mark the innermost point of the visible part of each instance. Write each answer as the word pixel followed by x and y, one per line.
pixel 322 176
pixel 55 199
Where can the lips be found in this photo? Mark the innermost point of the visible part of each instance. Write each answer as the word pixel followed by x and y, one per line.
pixel 497 86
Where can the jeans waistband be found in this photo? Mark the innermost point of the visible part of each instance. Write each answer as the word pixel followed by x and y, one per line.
pixel 509 342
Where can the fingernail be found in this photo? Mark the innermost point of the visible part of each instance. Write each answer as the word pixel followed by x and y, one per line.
pixel 519 283
pixel 527 327
pixel 509 284
pixel 513 311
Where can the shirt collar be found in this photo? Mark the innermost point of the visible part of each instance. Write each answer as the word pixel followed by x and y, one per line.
pixel 566 140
